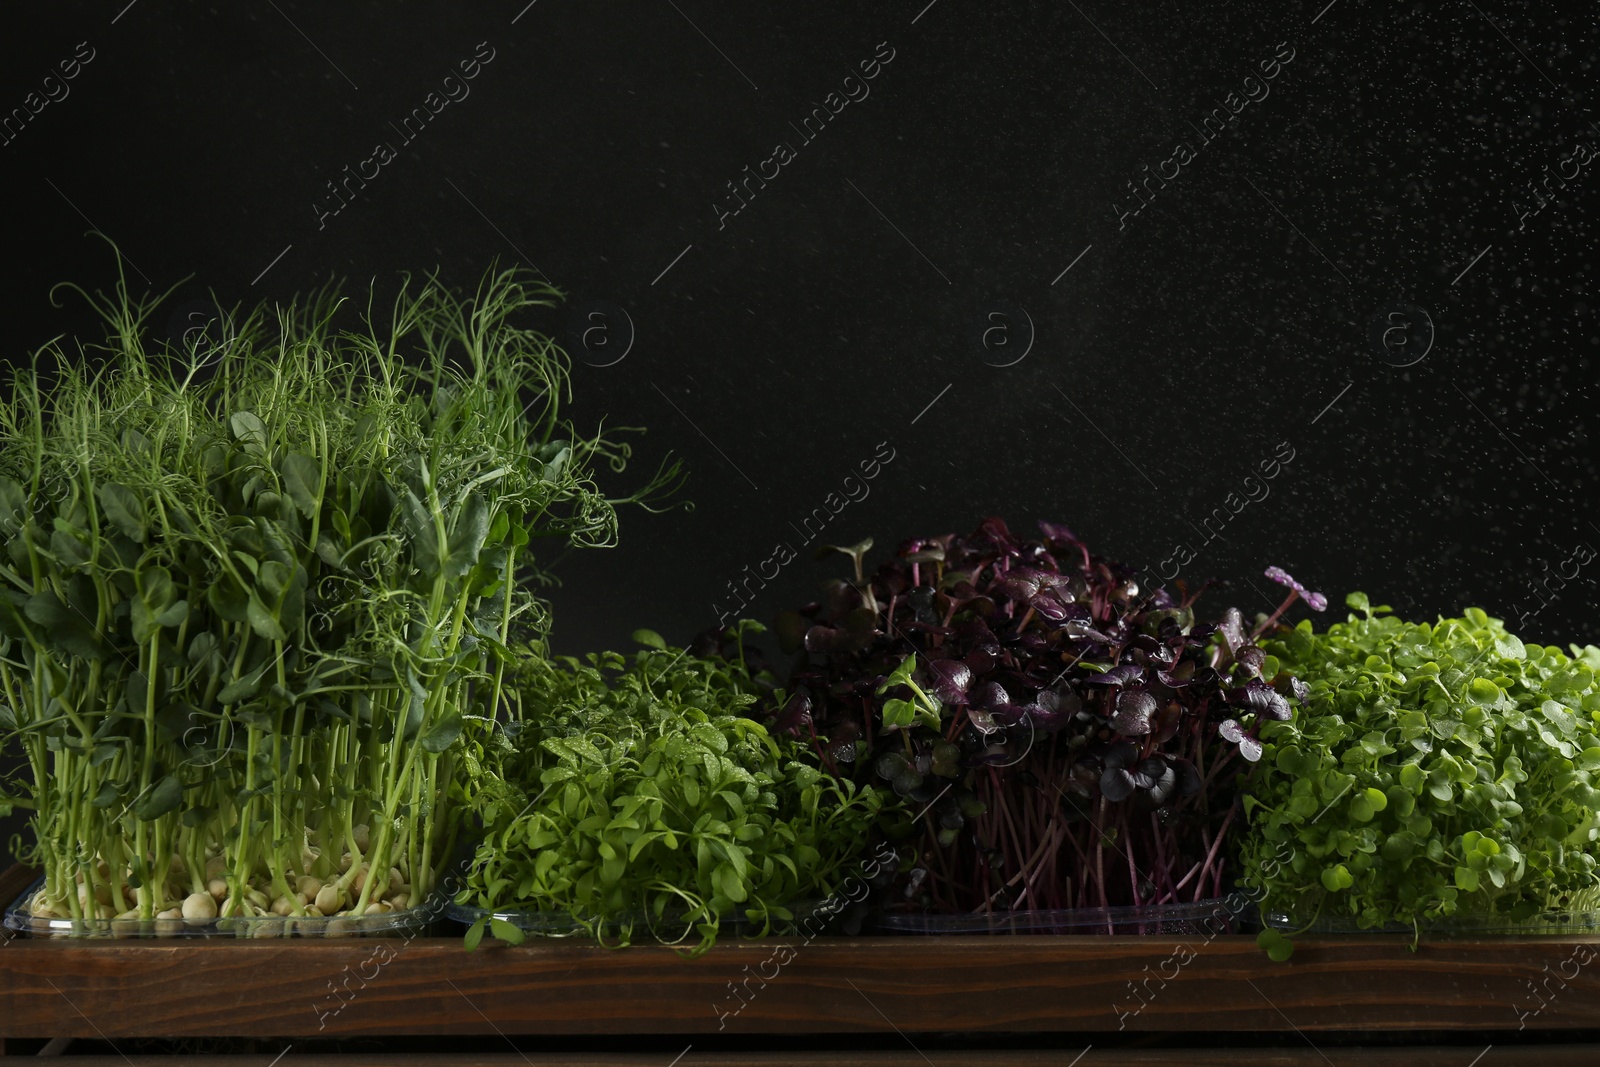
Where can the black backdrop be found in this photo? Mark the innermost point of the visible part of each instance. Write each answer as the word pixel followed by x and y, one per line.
pixel 949 265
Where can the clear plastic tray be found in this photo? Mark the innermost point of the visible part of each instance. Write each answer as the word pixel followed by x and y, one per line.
pixel 563 924
pixel 18 918
pixel 1545 923
pixel 1202 918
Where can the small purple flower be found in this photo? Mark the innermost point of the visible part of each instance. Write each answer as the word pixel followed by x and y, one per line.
pixel 1314 601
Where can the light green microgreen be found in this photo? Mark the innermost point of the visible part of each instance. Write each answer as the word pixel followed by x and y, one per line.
pixel 1432 771
pixel 634 796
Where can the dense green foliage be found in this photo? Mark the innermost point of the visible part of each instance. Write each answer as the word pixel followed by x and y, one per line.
pixel 254 592
pixel 633 795
pixel 1431 771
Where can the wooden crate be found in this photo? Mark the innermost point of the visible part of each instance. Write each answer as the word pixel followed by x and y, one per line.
pixel 1068 991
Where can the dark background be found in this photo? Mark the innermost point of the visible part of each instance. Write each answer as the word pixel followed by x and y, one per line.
pixel 780 349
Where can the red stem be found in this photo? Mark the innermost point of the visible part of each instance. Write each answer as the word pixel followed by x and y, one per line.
pixel 1012 862
pixel 1185 880
pixel 1161 859
pixel 1100 851
pixel 1127 851
pixel 1227 754
pixel 825 759
pixel 1294 594
pixel 1222 832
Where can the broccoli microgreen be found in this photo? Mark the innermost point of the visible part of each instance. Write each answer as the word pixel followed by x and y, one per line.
pixel 1432 771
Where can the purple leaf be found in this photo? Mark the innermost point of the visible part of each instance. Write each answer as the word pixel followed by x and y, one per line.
pixel 1017 587
pixel 1082 631
pixel 1121 754
pixel 1179 676
pixel 818 638
pixel 1032 643
pixel 1066 702
pixel 1051 604
pixel 1053 580
pixel 981 605
pixel 980 661
pixel 1116 784
pixel 975 633
pixel 1045 719
pixel 796 712
pixel 1153 768
pixel 1055 531
pixel 1126 674
pixel 843 750
pixel 1166 724
pixel 1163 778
pixel 1232 629
pixel 837 639
pixel 1261 698
pixel 921 552
pixel 840 598
pixel 1052 710
pixel 963 589
pixel 1249 747
pixel 1162 656
pixel 920 600
pixel 1009 714
pixel 1134 709
pixel 950 679
pixel 1314 601
pixel 995 531
pixel 1251 658
pixel 990 695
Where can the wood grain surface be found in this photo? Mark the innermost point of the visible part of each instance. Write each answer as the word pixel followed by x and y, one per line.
pixel 1427 1056
pixel 1098 984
